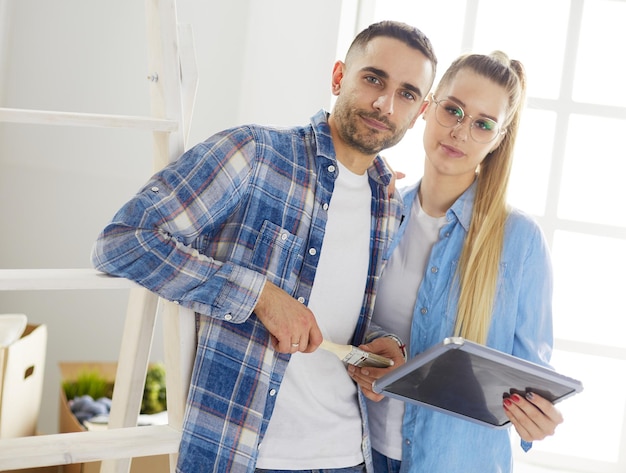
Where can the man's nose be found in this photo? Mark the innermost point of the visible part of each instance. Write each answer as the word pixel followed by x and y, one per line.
pixel 384 104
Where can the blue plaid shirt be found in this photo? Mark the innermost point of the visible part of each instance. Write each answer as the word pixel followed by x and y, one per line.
pixel 245 206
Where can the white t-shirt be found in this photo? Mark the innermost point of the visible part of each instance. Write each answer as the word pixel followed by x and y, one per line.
pixel 317 422
pixel 395 302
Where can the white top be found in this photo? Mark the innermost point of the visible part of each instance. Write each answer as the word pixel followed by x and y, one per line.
pixel 395 302
pixel 316 422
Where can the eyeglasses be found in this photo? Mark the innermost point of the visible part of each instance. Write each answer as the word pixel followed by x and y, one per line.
pixel 450 114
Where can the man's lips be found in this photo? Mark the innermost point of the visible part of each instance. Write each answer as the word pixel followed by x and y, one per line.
pixel 377 124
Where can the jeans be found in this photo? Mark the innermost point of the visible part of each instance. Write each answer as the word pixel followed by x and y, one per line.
pixel 351 469
pixel 384 464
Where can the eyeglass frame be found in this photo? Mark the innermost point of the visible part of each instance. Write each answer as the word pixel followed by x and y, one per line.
pixel 501 131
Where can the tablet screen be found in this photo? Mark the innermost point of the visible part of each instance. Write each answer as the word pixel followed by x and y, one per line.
pixel 472 385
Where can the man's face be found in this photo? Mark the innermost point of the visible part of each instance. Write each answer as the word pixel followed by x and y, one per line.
pixel 380 92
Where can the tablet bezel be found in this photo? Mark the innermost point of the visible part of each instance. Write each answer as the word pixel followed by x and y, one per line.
pixel 519 375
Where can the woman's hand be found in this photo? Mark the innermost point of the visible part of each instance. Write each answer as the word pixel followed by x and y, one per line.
pixel 533 417
pixel 366 376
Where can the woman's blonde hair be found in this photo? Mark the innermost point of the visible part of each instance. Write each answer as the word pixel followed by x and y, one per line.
pixel 479 263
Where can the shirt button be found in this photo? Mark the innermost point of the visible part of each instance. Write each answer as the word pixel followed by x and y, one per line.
pixel 272 392
pixel 331 168
pixel 325 206
pixel 283 236
pixel 312 251
pixel 407 441
pixel 301 299
pixel 154 189
pixel 424 311
pixel 447 234
pixel 434 269
pixel 228 317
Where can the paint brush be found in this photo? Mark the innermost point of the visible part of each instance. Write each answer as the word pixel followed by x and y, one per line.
pixel 355 356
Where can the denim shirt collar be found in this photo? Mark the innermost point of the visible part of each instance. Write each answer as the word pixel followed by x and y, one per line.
pixel 463 207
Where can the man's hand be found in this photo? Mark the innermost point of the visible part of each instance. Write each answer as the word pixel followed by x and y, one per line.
pixel 291 324
pixel 366 376
pixel 533 417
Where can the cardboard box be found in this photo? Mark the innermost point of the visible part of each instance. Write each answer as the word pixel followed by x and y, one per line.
pixel 69 423
pixel 21 382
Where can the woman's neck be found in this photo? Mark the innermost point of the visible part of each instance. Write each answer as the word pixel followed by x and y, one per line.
pixel 438 193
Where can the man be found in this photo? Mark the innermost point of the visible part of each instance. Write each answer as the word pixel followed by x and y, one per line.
pixel 275 238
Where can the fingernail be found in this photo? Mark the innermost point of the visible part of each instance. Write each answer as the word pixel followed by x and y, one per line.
pixel 529 396
pixel 507 402
pixel 516 398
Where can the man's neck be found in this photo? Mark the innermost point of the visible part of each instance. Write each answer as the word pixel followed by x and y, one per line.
pixel 355 161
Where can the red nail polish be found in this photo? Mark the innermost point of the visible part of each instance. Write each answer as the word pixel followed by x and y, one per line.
pixel 516 398
pixel 507 402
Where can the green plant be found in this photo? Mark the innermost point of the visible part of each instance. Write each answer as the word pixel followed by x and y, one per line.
pixel 88 383
pixel 95 385
pixel 154 398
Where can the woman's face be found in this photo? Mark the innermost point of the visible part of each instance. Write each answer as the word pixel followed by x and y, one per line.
pixel 451 151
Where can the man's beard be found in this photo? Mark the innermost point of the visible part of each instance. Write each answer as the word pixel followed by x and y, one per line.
pixel 370 142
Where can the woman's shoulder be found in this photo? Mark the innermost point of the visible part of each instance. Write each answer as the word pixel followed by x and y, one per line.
pixel 521 220
pixel 523 230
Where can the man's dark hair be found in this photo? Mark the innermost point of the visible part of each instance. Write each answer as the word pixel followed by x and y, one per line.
pixel 410 35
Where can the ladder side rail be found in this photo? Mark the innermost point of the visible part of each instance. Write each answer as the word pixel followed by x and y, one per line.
pixel 164 61
pixel 179 333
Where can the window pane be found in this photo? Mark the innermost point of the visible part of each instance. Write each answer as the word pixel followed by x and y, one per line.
pixel 442 21
pixel 592 426
pixel 592 187
pixel 408 155
pixel 599 74
pixel 533 159
pixel 588 293
pixel 505 26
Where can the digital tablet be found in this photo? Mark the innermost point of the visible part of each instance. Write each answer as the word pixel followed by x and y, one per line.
pixel 469 380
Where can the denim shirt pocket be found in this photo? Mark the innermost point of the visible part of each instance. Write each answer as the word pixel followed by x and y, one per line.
pixel 277 254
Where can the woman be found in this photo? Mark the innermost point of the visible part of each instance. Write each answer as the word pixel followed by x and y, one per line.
pixel 464 264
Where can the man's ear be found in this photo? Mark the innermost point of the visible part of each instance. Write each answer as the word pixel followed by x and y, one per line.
pixel 337 77
pixel 421 111
pixel 427 103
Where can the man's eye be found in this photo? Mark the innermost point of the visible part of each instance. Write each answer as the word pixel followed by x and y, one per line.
pixel 372 80
pixel 408 95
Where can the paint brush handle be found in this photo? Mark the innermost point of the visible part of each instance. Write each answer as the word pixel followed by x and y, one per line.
pixel 355 356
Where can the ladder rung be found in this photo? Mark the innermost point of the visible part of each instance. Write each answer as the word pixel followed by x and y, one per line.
pixel 59 279
pixel 80 447
pixel 43 117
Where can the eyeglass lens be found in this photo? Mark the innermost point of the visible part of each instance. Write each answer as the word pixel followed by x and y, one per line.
pixel 450 114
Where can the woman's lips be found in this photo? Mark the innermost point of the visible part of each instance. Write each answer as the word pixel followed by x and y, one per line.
pixel 452 151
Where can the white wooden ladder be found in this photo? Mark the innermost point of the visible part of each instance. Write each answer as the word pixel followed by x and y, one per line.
pixel 173 85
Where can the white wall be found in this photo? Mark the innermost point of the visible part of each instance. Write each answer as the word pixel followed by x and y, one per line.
pixel 265 62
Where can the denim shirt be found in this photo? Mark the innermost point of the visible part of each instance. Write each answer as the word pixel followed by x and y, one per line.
pixel 521 325
pixel 245 206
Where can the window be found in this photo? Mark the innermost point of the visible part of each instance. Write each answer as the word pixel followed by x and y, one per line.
pixel 569 172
